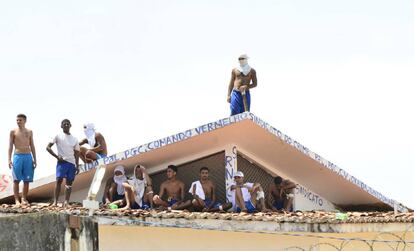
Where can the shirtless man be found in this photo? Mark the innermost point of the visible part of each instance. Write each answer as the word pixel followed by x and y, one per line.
pixel 24 158
pixel 281 193
pixel 243 78
pixel 204 194
pixel 249 197
pixel 97 143
pixel 174 189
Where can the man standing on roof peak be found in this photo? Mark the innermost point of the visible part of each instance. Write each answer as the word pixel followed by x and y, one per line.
pixel 243 78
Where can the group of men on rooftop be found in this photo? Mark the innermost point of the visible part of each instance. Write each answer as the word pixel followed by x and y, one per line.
pixel 69 150
pixel 137 192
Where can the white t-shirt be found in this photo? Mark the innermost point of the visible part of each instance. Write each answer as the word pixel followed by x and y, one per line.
pixel 245 192
pixel 66 146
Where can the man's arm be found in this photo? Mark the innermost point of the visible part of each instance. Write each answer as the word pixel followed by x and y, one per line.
pixel 11 144
pixel 49 149
pixel 182 191
pixel 101 144
pixel 269 198
pixel 83 142
pixel 162 188
pixel 289 185
pixel 213 196
pixel 77 153
pixel 254 79
pixel 146 176
pixel 32 148
pixel 231 85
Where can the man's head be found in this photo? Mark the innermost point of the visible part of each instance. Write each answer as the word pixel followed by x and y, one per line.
pixel 65 125
pixel 239 177
pixel 21 120
pixel 243 59
pixel 138 172
pixel 171 171
pixel 204 173
pixel 278 180
pixel 119 171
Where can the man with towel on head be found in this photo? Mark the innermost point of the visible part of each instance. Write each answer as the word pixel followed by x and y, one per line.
pixel 243 78
pixel 114 192
pixel 204 194
pixel 174 189
pixel 138 190
pixel 96 142
pixel 248 197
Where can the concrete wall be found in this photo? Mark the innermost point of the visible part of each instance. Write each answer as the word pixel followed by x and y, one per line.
pixel 47 232
pixel 158 238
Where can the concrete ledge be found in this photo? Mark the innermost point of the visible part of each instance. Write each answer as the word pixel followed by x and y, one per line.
pixel 255 226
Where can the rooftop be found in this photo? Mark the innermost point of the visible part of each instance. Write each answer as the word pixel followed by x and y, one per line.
pixel 313 221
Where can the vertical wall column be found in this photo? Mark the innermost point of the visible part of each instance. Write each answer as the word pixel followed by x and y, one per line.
pixel 230 158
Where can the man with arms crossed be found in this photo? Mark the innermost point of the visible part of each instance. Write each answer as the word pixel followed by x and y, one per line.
pixel 97 144
pixel 23 164
pixel 281 192
pixel 238 94
pixel 174 189
pixel 67 160
pixel 204 194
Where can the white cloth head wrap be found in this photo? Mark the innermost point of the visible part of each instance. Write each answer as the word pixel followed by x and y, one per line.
pixel 244 67
pixel 119 180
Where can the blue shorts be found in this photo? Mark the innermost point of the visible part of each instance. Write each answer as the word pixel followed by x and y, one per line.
pixel 249 206
pixel 23 167
pixel 145 206
pixel 100 156
pixel 279 205
pixel 65 170
pixel 171 202
pixel 118 197
pixel 207 203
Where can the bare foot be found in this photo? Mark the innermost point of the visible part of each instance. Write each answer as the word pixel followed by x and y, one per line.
pixel 66 204
pixel 54 204
pixel 17 203
pixel 124 208
pixel 24 202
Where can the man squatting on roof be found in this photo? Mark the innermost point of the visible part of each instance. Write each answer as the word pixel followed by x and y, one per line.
pixel 238 94
pixel 281 191
pixel 67 160
pixel 24 158
pixel 204 194
pixel 97 143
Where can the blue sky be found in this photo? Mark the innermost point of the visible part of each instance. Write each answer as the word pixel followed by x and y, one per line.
pixel 336 76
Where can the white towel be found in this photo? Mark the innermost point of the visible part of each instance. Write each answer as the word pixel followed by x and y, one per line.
pixel 139 188
pixel 199 189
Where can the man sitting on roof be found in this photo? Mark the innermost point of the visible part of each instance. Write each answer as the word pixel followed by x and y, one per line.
pixel 174 189
pixel 114 189
pixel 138 190
pixel 247 196
pixel 282 194
pixel 204 194
pixel 97 143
